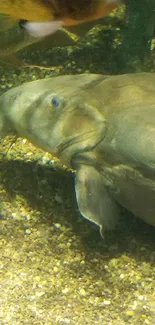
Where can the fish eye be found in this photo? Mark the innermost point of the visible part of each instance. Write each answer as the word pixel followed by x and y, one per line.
pixel 56 101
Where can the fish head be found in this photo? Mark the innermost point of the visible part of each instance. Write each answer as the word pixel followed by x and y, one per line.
pixel 56 115
pixel 65 116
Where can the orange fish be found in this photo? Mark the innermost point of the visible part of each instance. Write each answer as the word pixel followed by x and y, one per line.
pixel 43 17
pixel 72 12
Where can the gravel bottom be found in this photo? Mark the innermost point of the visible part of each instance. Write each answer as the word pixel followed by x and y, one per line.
pixel 54 266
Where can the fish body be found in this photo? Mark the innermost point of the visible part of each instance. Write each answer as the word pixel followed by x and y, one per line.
pixel 103 127
pixel 36 10
pixel 14 39
pixel 17 38
pixel 67 10
pixel 44 17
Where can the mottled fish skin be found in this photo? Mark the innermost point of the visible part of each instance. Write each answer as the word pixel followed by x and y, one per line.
pixel 46 17
pixel 102 127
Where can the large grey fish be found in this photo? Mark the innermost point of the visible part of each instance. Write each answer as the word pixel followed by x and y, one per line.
pixel 101 126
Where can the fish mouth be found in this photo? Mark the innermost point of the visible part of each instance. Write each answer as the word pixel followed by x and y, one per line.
pixel 85 142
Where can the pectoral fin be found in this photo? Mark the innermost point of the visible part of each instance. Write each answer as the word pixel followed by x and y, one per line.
pixel 94 201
